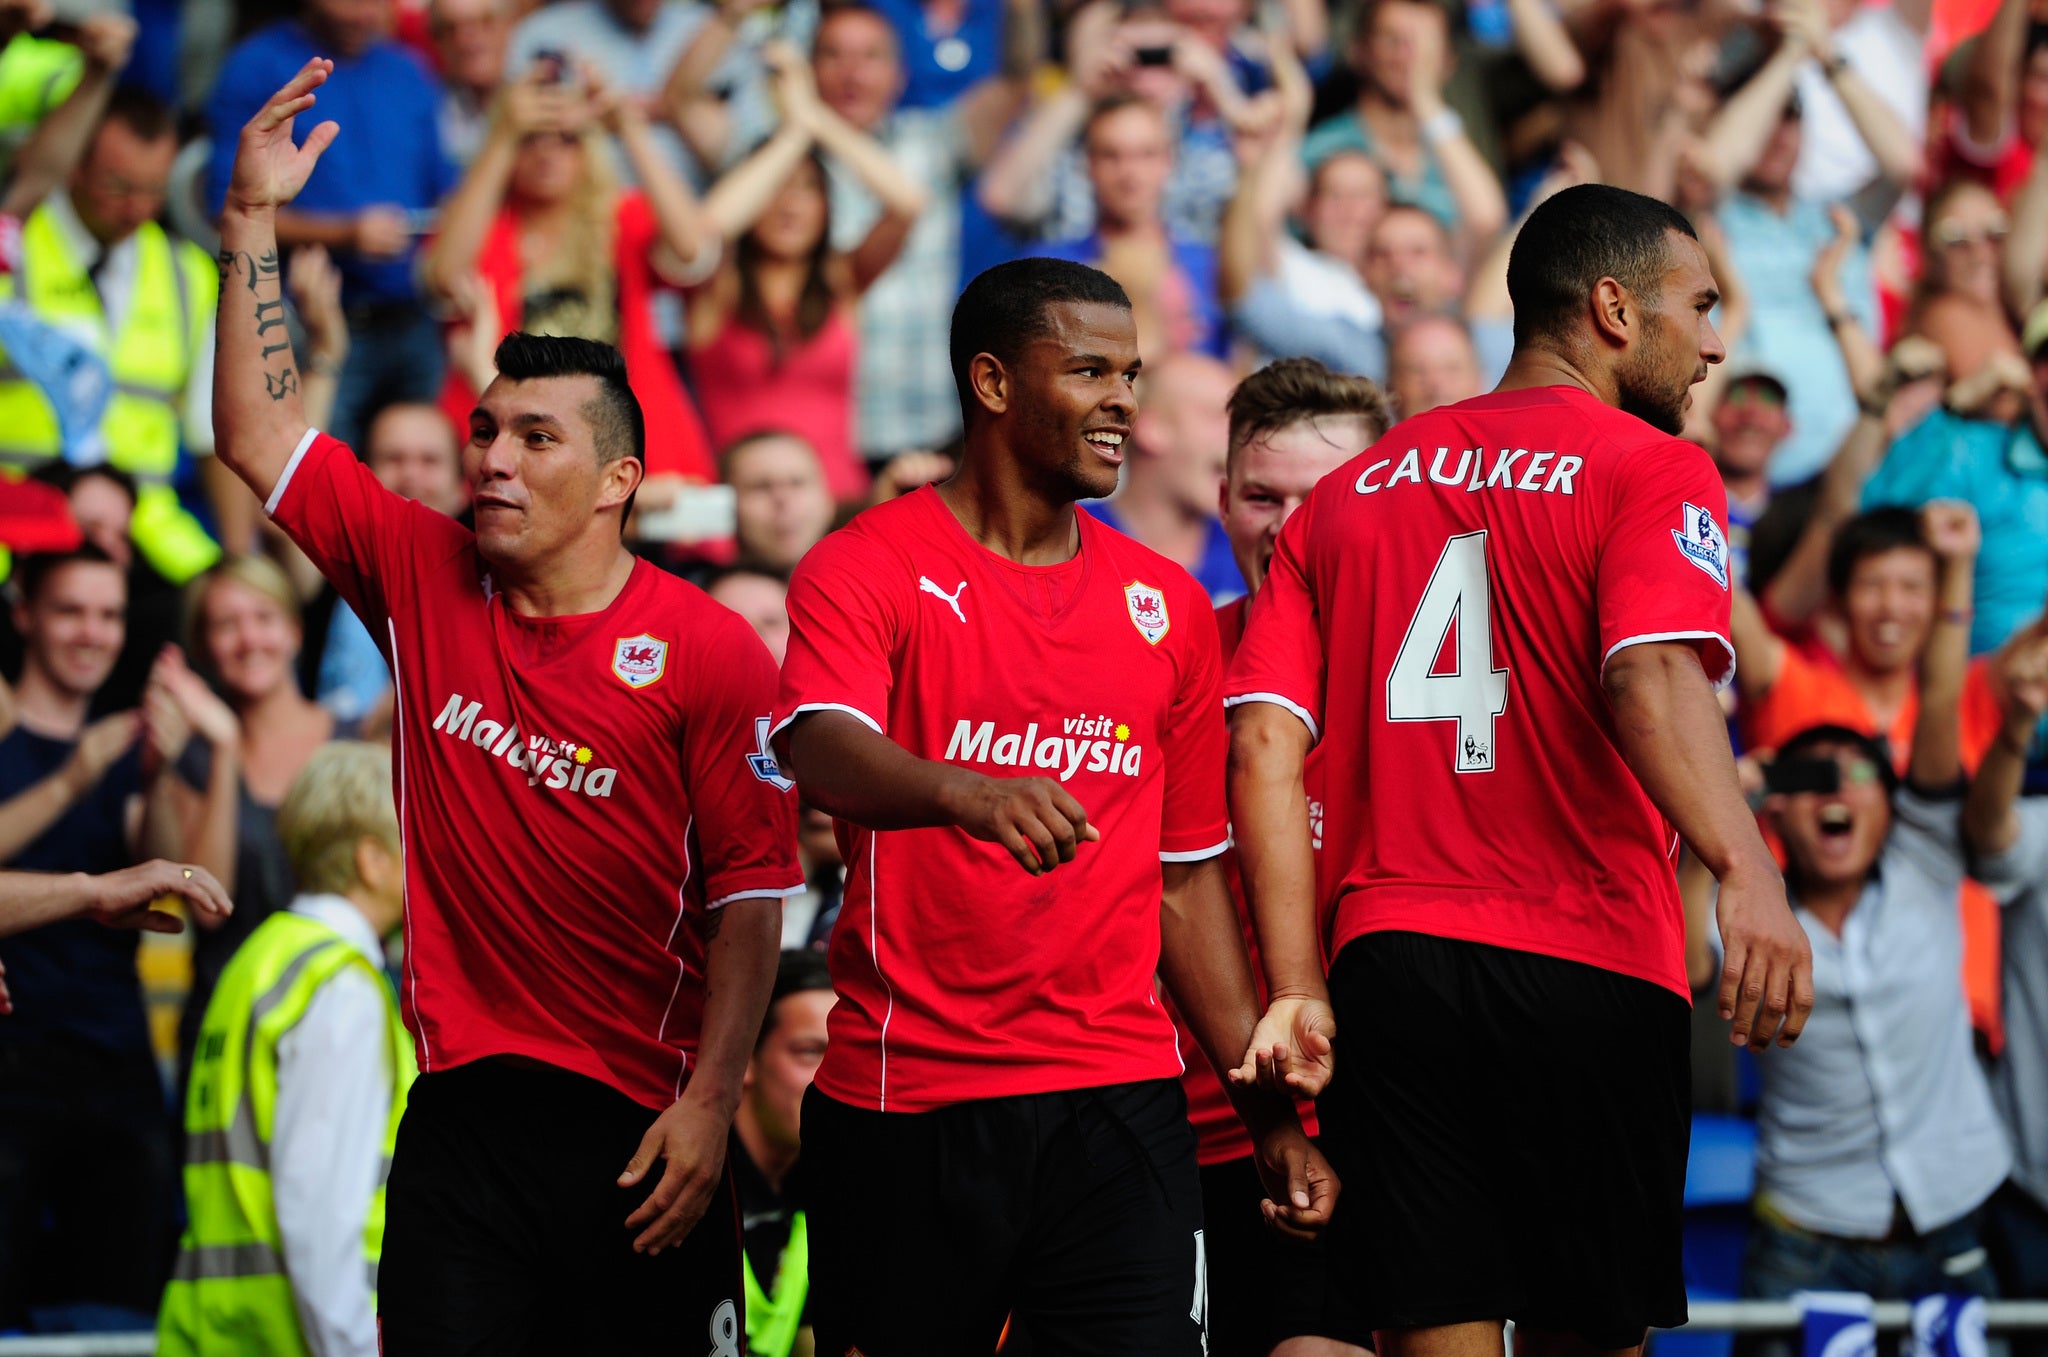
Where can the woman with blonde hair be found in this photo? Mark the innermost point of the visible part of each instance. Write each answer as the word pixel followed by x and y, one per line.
pixel 243 632
pixel 538 237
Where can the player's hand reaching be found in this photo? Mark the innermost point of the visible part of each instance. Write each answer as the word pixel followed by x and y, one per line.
pixel 269 170
pixel 122 899
pixel 690 1138
pixel 1292 1050
pixel 1038 820
pixel 1301 1188
pixel 1767 977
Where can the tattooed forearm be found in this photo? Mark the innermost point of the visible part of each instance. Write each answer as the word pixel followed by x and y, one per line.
pixel 263 278
pixel 282 385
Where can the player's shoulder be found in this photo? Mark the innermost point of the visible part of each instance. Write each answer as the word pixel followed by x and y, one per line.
pixel 869 544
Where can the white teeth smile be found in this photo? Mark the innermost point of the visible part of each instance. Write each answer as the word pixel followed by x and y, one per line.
pixel 1107 440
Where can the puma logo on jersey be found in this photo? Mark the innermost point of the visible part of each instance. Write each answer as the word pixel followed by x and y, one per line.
pixel 952 600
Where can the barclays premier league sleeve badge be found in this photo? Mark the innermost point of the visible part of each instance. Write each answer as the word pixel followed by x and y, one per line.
pixel 1702 542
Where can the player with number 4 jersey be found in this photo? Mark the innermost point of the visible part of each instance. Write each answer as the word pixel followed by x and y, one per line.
pixel 1505 622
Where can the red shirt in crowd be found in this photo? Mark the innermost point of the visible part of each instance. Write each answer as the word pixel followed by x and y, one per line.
pixel 961 976
pixel 676 441
pixel 748 387
pixel 1439 612
pixel 576 793
pixel 1220 1136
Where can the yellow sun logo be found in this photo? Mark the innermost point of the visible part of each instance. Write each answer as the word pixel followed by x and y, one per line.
pixel 583 754
pixel 1122 732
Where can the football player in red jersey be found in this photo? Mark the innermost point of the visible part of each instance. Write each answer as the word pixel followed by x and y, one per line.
pixel 1291 423
pixel 597 841
pixel 1504 623
pixel 1013 712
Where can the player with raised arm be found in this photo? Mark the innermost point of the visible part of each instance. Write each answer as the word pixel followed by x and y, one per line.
pixel 596 844
pixel 1014 714
pixel 1503 623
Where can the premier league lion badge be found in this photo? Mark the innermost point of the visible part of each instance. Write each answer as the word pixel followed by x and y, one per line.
pixel 1148 610
pixel 639 660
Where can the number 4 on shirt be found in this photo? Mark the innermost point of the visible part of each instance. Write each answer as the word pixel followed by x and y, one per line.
pixel 1455 608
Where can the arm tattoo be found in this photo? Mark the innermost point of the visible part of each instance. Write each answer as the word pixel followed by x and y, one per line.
pixel 282 385
pixel 262 276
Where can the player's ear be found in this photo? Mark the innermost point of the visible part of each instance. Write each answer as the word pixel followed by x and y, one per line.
pixel 621 477
pixel 1615 313
pixel 990 382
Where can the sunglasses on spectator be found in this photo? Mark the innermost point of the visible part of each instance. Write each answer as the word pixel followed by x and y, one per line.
pixel 1950 235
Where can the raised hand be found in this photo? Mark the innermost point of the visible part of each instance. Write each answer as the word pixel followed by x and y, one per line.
pixel 1951 529
pixel 315 286
pixel 103 743
pixel 269 168
pixel 212 718
pixel 1826 278
pixel 107 40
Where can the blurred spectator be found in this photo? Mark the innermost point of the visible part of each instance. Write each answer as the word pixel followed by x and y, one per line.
pixel 631 44
pixel 537 224
pixel 1410 267
pixel 1171 280
pixel 62 135
pixel 1403 57
pixel 118 899
pixel 1173 471
pixel 1039 180
pixel 1882 585
pixel 243 632
pixel 471 38
pixel 1432 362
pixel 1864 89
pixel 782 505
pixel 766 1146
pixel 2008 840
pixel 762 599
pixel 718 93
pixel 1959 303
pixel 78 1081
pixel 1877 1142
pixel 298 1090
pixel 772 335
pixel 94 261
pixel 1749 421
pixel 808 919
pixel 2000 470
pixel 905 383
pixel 414 451
pixel 948 47
pixel 1997 109
pixel 1774 234
pixel 372 197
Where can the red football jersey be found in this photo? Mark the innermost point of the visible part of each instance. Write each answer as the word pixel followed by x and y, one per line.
pixel 575 792
pixel 1439 612
pixel 1219 1134
pixel 961 976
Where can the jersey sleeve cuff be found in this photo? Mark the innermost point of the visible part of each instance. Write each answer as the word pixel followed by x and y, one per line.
pixel 1308 719
pixel 1727 674
pixel 762 893
pixel 284 478
pixel 855 712
pixel 1197 855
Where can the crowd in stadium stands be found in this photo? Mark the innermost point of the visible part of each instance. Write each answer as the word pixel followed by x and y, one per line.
pixel 770 209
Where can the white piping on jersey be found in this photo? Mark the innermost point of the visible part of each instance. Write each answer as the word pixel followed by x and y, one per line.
pixel 874 910
pixel 1314 731
pixel 1198 855
pixel 284 477
pixel 870 722
pixel 404 877
pixel 1648 638
pixel 682 907
pixel 765 893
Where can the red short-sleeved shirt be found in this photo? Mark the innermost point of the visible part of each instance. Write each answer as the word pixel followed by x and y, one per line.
pixel 1439 612
pixel 1220 1136
pixel 960 976
pixel 575 792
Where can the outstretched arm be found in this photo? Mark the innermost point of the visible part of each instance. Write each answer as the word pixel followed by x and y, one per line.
pixel 257 416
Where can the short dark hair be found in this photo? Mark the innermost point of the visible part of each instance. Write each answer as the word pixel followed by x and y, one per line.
pixel 796 972
pixel 1284 393
pixel 1005 308
pixel 33 572
pixel 1802 744
pixel 618 428
pixel 1576 238
pixel 64 477
pixel 143 113
pixel 1872 533
pixel 833 8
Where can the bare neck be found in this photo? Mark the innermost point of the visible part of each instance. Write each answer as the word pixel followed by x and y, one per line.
pixel 570 586
pixel 1001 510
pixel 774 1161
pixel 278 712
pixel 1535 367
pixel 1832 904
pixel 46 709
pixel 1883 693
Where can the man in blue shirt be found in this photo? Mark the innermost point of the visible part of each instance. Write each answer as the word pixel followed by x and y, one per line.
pixel 373 196
pixel 87 1176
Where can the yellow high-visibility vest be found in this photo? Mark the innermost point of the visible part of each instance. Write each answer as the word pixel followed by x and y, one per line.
pixel 150 360
pixel 230 1292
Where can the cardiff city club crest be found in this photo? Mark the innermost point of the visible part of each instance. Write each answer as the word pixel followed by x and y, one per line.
pixel 1148 610
pixel 1700 540
pixel 639 660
